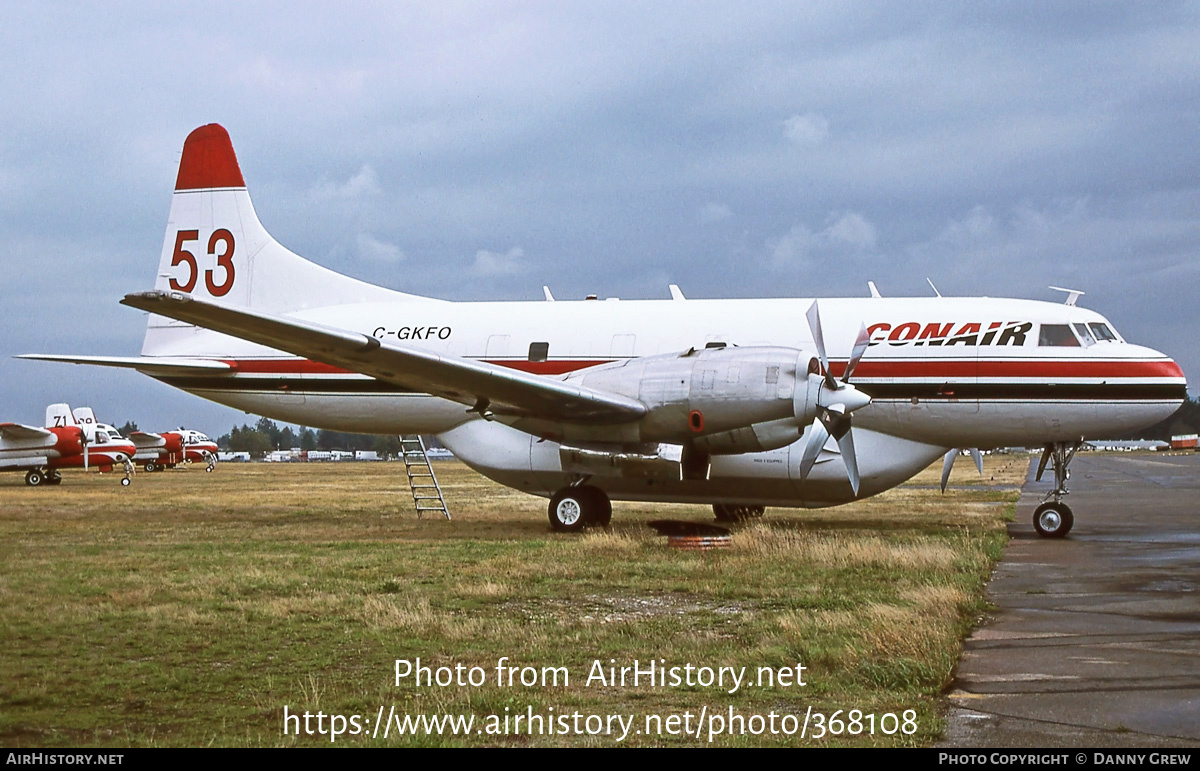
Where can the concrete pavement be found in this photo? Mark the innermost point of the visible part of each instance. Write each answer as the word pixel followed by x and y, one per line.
pixel 1095 641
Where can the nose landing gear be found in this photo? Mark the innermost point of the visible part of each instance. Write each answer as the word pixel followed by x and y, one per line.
pixel 1054 519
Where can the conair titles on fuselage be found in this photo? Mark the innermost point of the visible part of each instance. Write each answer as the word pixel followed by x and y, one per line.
pixel 939 333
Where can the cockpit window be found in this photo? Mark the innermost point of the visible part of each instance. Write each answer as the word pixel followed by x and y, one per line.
pixel 1057 335
pixel 1084 334
pixel 102 437
pixel 1102 332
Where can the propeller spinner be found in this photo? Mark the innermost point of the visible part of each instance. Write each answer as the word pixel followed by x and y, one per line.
pixel 835 403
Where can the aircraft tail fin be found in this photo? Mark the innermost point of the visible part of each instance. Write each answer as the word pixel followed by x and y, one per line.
pixel 216 248
pixel 59 415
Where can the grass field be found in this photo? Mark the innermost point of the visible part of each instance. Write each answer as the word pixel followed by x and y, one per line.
pixel 189 609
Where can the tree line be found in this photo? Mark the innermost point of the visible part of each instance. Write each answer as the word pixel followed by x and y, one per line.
pixel 266 436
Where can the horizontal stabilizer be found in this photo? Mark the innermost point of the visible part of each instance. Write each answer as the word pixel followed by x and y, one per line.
pixel 486 387
pixel 150 365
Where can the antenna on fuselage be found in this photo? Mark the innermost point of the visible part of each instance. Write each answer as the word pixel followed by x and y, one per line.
pixel 874 291
pixel 1072 294
pixel 546 291
pixel 935 291
pixel 676 292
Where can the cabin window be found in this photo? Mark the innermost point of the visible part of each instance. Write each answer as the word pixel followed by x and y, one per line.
pixel 1057 336
pixel 539 351
pixel 1084 334
pixel 1103 333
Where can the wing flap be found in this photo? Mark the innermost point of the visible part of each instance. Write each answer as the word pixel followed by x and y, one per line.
pixel 479 384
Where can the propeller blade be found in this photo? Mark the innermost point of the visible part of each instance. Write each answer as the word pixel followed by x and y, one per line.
pixel 860 347
pixel 846 445
pixel 1042 463
pixel 814 325
pixel 834 419
pixel 947 465
pixel 817 437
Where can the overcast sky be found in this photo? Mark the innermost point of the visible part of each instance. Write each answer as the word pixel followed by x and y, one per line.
pixel 480 150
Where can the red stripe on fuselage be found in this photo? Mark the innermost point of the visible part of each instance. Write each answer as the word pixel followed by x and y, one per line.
pixel 1052 369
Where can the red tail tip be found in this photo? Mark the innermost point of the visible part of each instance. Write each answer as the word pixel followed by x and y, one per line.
pixel 208 160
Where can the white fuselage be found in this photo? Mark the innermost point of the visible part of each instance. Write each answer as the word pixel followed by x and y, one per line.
pixel 941 372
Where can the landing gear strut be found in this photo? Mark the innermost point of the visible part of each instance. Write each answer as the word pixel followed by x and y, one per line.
pixel 128 473
pixel 574 508
pixel 1054 519
pixel 732 512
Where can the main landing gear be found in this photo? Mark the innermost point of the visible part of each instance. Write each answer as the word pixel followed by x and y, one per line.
pixel 40 476
pixel 579 506
pixel 1054 519
pixel 732 512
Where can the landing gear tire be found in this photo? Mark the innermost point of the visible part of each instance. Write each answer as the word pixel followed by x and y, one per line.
pixel 150 467
pixel 601 513
pixel 125 482
pixel 732 512
pixel 33 478
pixel 53 477
pixel 1053 520
pixel 574 508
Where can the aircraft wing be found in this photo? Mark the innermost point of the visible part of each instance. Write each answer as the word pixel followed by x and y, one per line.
pixel 144 440
pixel 479 384
pixel 150 365
pixel 18 431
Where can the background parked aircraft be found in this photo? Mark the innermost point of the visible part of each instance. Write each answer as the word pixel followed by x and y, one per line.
pixel 63 443
pixel 156 451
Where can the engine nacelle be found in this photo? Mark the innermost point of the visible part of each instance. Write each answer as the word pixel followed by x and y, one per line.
pixel 718 400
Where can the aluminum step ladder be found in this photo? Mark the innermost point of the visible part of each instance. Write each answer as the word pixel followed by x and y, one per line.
pixel 426 492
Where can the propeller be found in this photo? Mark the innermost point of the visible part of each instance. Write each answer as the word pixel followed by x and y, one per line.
pixel 836 400
pixel 83 440
pixel 948 463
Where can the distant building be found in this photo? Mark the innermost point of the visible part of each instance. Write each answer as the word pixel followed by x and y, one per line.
pixel 1128 445
pixel 1185 442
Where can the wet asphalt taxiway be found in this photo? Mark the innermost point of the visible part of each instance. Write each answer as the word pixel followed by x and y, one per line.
pixel 1095 638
